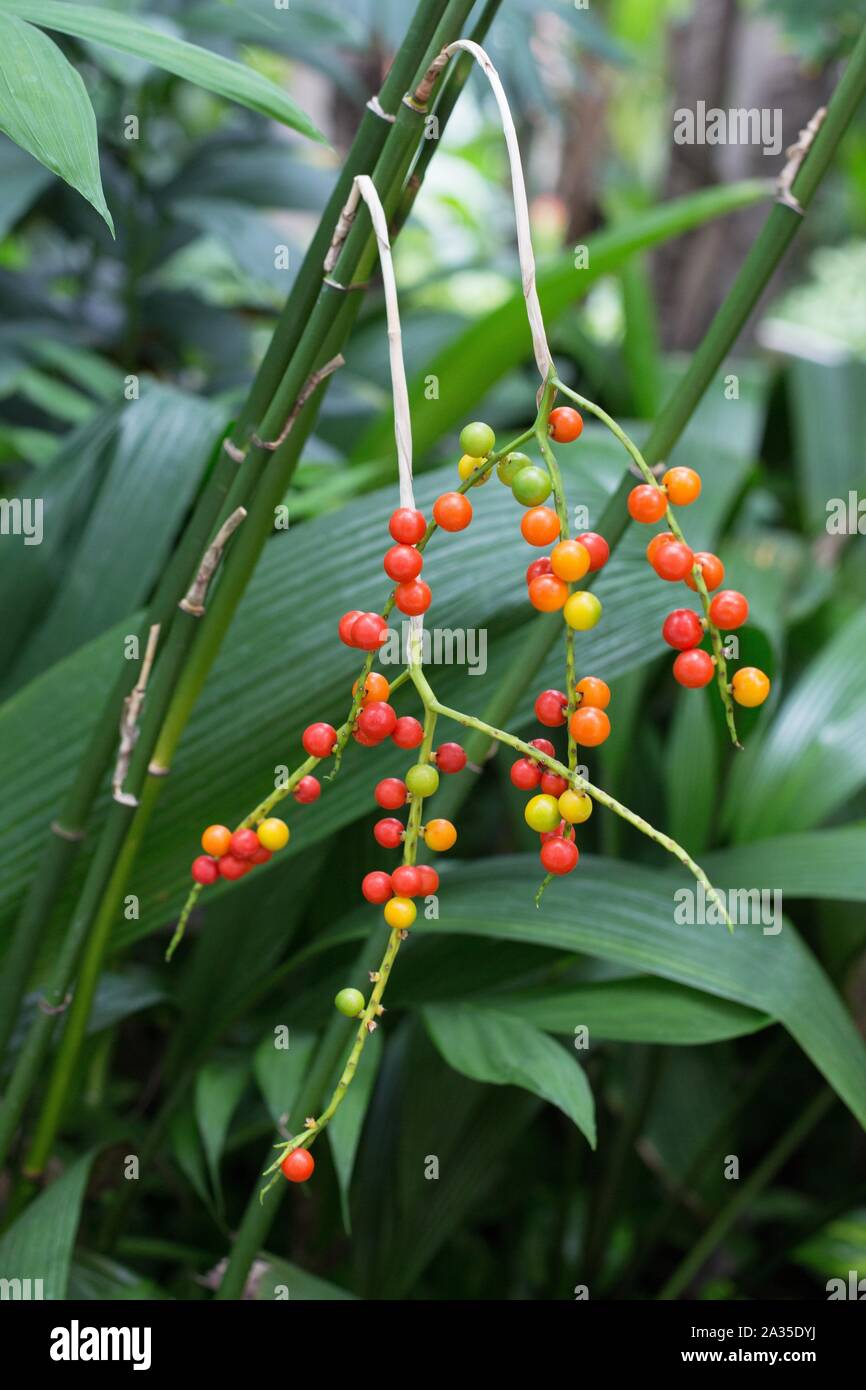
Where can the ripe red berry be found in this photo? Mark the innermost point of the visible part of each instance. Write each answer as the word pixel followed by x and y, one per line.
pixel 712 570
pixel 298 1165
pixel 550 708
pixel 540 526
pixel 663 538
pixel 406 881
pixel 231 867
pixel 369 631
pixel 205 870
pixel 729 609
pixel 547 593
pixel 377 720
pixel 365 740
pixel 407 732
pixel 450 757
pixel 647 503
pixel 388 832
pixel 407 525
pixel 403 562
pixel 543 565
pixel 525 774
pixel 261 855
pixel 543 745
pixel 552 784
pixel 599 550
pixel 563 831
pixel 673 561
pixel 452 511
pixel 376 886
pixel 429 880
pixel 390 793
pixel 566 424
pixel 558 855
pixel 682 629
pixel 308 789
pixel 244 844
pixel 413 597
pixel 694 668
pixel 319 740
pixel 345 625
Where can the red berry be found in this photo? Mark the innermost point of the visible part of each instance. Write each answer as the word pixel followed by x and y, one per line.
pixel 406 881
pixel 553 784
pixel 566 424
pixel 244 844
pixel 563 831
pixel 388 832
pixel 319 740
pixel 429 880
pixel 550 708
pixel 298 1165
pixel 525 774
pixel 682 629
pixel 663 538
pixel 308 789
pixel 543 565
pixel 377 720
pixel 205 870
pixel 407 526
pixel 558 855
pixel 403 562
pixel 694 669
pixel 729 609
pixel 711 568
pixel 543 745
pixel 376 886
pixel 647 503
pixel 365 740
pixel 369 631
pixel 599 550
pixel 452 511
pixel 673 561
pixel 261 855
pixel 345 625
pixel 390 793
pixel 450 757
pixel 413 597
pixel 407 732
pixel 232 867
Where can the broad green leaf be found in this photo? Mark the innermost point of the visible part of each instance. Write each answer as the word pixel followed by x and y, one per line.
pixel 95 1278
pixel 38 1245
pixel 280 1281
pixel 817 864
pixel 504 1051
pixel 494 344
pixel 228 79
pixel 186 1146
pixel 54 397
pixel 692 771
pixel 828 411
pixel 640 1009
pixel 625 914
pixel 45 108
pixel 218 1088
pixel 344 1131
pixel 280 1073
pixel 87 369
pixel 812 758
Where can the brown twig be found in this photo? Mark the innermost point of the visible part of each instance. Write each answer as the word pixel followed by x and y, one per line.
pixel 796 153
pixel 193 600
pixel 129 721
pixel 312 383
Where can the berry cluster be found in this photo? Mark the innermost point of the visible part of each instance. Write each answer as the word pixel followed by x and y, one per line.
pixel 674 561
pixel 231 854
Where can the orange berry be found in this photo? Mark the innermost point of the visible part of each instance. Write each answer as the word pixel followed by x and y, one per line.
pixel 540 526
pixel 547 593
pixel 647 503
pixel 376 687
pixel 452 511
pixel 655 545
pixel 750 687
pixel 712 570
pixel 439 834
pixel 216 840
pixel 683 485
pixel 589 726
pixel 595 693
pixel 570 560
pixel 566 424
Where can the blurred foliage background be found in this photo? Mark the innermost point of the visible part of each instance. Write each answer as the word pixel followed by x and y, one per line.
pixel 701 1047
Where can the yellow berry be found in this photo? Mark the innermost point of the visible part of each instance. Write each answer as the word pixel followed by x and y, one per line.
pixel 575 807
pixel 273 833
pixel 400 913
pixel 467 466
pixel 582 610
pixel 750 687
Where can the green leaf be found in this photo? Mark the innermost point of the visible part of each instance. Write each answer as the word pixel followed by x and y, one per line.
pixel 818 864
pixel 828 410
pixel 45 108
pixel 280 1073
pixel 692 771
pixel 494 344
pixel 218 1088
pixel 39 1244
pixel 344 1131
pixel 282 1280
pixel 505 1051
pixel 812 758
pixel 639 1009
pixel 227 79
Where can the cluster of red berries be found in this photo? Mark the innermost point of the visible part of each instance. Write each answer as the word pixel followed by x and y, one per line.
pixel 231 854
pixel 675 561
pixel 556 808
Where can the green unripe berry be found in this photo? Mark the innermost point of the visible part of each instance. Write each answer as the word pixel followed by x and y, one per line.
pixel 477 439
pixel 422 779
pixel 350 1002
pixel 508 467
pixel 531 486
pixel 542 813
